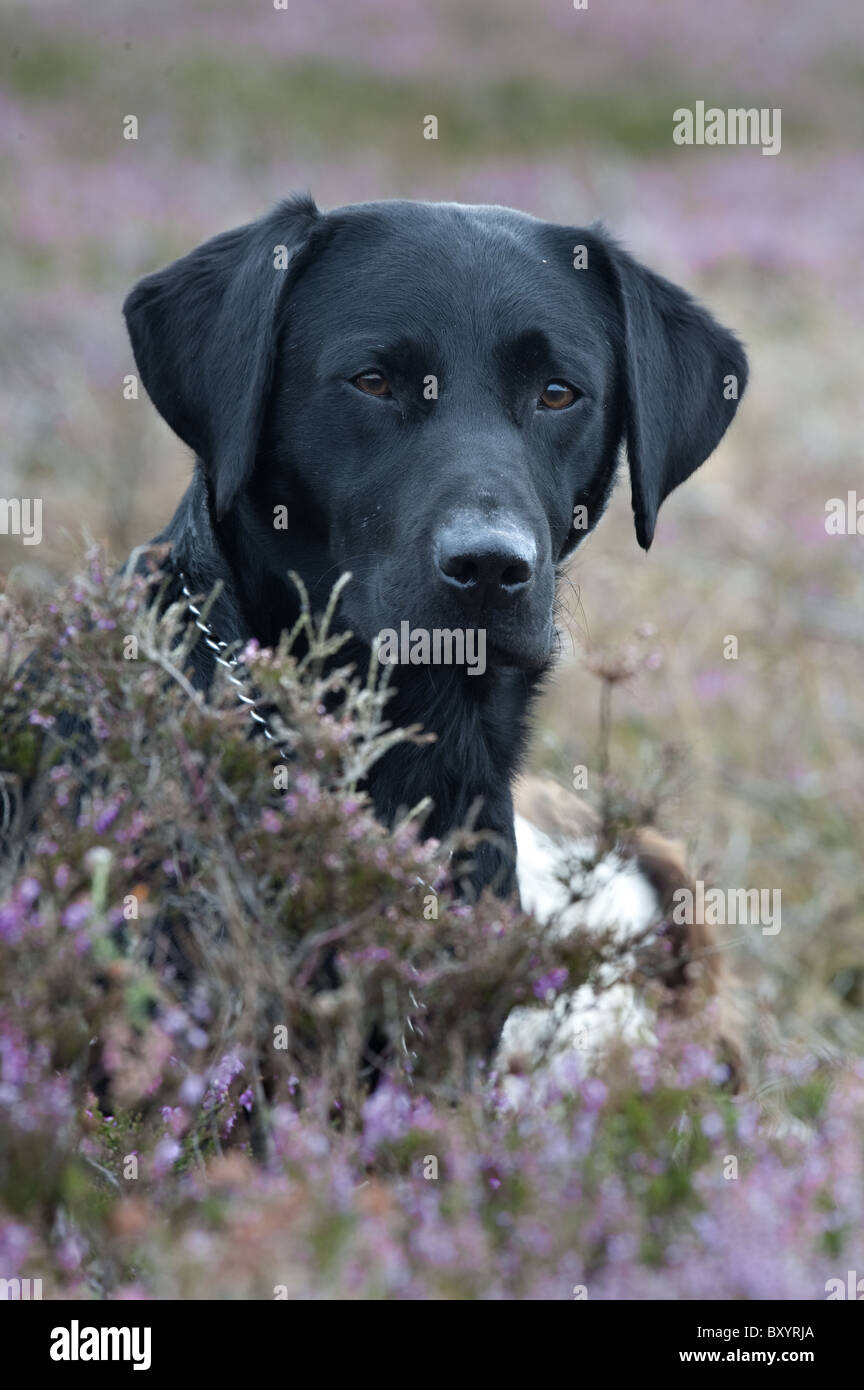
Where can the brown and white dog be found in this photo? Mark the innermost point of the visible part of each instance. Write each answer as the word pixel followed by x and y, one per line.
pixel 621 895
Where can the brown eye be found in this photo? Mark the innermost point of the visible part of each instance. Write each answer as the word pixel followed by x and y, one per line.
pixel 557 396
pixel 372 383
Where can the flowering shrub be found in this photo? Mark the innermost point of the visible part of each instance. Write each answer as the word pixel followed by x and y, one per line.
pixel 169 917
pixel 203 953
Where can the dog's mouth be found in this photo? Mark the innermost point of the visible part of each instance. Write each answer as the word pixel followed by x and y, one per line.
pixel 434 634
pixel 528 658
pixel 521 640
pixel 473 649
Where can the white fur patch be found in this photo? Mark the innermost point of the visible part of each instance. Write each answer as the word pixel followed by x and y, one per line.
pixel 565 885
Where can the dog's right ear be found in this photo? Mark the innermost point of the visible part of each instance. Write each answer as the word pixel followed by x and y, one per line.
pixel 203 331
pixel 684 374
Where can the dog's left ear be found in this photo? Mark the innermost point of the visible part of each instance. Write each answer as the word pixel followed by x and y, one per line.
pixel 203 331
pixel 684 374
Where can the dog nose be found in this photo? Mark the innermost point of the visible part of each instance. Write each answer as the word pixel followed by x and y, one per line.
pixel 484 559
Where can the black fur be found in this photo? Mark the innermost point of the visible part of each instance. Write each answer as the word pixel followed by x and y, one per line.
pixel 254 367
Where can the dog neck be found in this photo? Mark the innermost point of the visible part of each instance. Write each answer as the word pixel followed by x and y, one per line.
pixel 480 722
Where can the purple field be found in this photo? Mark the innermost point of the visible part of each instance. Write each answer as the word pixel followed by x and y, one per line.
pixel 612 1181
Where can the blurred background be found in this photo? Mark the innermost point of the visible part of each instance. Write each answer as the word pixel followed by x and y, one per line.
pixel 567 114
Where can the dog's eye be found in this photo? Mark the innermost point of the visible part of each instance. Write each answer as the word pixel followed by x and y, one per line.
pixel 558 395
pixel 372 384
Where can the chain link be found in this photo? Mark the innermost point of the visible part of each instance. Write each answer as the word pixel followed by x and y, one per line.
pixel 233 665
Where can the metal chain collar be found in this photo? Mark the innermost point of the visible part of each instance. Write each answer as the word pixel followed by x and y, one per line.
pixel 232 664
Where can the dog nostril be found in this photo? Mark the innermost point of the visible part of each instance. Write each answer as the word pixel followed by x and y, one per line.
pixel 460 569
pixel 515 575
pixel 495 562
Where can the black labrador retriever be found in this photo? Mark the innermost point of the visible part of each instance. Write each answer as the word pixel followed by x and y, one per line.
pixel 432 397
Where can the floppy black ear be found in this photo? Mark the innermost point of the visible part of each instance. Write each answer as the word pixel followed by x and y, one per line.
pixel 684 374
pixel 203 333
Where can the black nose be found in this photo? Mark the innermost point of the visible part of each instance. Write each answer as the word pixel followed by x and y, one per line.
pixel 488 560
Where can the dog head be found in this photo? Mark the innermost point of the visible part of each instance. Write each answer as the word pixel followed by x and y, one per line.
pixel 437 395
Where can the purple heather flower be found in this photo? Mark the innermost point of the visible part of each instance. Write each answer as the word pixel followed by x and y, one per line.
pixel 106 817
pixel 594 1093
pixel 165 1155
pixel 192 1089
pixel 549 984
pixel 77 913
pixel 712 1125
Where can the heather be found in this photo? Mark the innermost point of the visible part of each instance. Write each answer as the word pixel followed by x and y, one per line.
pixel 152 1036
pixel 196 940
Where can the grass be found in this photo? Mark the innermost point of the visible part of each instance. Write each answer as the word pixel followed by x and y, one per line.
pixel 766 750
